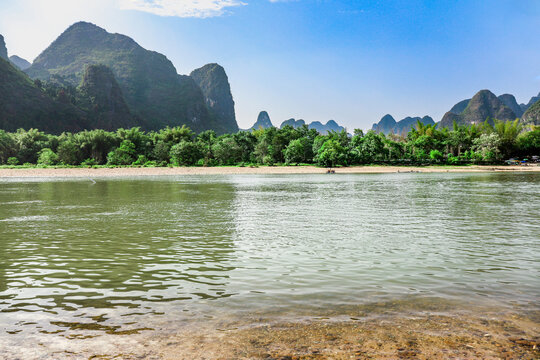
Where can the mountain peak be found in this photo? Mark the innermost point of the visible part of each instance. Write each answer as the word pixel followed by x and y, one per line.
pixel 19 62
pixel 214 83
pixel 263 121
pixel 484 105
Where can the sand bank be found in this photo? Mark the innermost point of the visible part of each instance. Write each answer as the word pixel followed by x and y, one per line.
pixel 271 170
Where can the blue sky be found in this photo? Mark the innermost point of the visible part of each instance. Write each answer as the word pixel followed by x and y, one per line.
pixel 351 61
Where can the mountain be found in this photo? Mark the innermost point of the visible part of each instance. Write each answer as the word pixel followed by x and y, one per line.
pixel 149 82
pixel 510 101
pixel 263 121
pixel 214 83
pixel 292 122
pixel 3 49
pixel 101 97
pixel 323 129
pixel 533 100
pixel 19 62
pixel 331 125
pixel 483 105
pixel 24 105
pixel 388 125
pixel 532 115
pixel 385 125
pixel 460 106
pixel 405 125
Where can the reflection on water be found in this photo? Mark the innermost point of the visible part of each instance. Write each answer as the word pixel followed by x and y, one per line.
pixel 123 255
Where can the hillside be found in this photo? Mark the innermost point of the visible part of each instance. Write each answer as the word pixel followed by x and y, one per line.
pixel 19 62
pixel 483 106
pixel 532 115
pixel 24 105
pixel 101 97
pixel 149 82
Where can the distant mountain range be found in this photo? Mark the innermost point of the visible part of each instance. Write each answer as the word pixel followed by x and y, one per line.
pixel 389 125
pixel 148 85
pixel 263 122
pixel 484 105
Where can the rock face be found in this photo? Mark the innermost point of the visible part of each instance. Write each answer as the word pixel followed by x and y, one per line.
pixel 216 89
pixel 460 107
pixel 3 49
pixel 510 101
pixel 388 125
pixel 101 96
pixel 263 121
pixel 533 100
pixel 484 105
pixel 24 105
pixel 21 63
pixel 149 82
pixel 532 115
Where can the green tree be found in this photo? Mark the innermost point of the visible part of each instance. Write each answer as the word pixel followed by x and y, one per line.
pixel 123 155
pixel 331 154
pixel 186 153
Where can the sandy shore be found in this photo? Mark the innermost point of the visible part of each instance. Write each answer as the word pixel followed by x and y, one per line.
pixel 112 172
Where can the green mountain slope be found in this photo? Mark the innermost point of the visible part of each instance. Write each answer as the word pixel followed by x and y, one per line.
pixel 101 97
pixel 483 105
pixel 149 82
pixel 24 105
pixel 532 115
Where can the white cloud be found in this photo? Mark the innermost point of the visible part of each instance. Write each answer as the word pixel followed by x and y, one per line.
pixel 181 8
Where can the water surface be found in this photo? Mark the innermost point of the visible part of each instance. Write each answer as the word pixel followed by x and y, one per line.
pixel 126 255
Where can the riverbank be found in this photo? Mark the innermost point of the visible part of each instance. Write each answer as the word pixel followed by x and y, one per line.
pixel 268 170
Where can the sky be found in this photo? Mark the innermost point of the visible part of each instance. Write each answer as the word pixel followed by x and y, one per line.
pixel 351 61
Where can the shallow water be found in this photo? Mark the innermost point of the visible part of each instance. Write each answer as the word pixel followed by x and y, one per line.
pixel 127 255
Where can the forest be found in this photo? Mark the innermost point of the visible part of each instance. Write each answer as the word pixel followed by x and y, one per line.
pixel 485 143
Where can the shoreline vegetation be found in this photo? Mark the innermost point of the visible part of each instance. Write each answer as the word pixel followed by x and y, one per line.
pixel 488 143
pixel 76 172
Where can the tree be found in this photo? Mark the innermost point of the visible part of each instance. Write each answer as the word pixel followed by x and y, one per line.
pixel 299 150
pixel 488 146
pixel 185 153
pixel 331 154
pixel 529 143
pixel 123 155
pixel 68 152
pixel 227 151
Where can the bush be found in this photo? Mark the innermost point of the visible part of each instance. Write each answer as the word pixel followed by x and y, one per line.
pixel 13 161
pixel 435 155
pixel 47 157
pixel 89 162
pixel 141 160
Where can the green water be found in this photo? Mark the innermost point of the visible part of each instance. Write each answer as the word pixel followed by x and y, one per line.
pixel 130 253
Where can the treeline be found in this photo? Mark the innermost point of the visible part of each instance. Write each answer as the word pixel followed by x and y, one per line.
pixel 179 146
